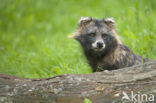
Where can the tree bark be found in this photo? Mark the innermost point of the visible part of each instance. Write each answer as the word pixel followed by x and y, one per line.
pixel 99 87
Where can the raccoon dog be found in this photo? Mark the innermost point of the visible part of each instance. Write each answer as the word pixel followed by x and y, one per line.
pixel 102 46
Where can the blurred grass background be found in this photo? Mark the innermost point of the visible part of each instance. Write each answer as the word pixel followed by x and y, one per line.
pixel 33 33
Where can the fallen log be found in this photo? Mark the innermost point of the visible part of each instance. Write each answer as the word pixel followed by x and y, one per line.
pixel 127 85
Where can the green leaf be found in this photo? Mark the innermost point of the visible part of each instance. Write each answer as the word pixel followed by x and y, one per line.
pixel 87 101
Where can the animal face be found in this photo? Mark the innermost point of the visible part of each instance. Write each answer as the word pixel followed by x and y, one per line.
pixel 96 35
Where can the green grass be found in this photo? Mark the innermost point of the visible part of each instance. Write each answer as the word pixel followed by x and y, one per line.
pixel 33 33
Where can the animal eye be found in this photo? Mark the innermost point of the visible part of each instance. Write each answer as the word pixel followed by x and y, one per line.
pixel 92 34
pixel 104 35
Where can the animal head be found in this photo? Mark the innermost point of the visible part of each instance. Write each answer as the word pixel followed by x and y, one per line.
pixel 96 34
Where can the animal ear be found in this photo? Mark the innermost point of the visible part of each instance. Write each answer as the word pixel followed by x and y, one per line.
pixel 110 22
pixel 84 20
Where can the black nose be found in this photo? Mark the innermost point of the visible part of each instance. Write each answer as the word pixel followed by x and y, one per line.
pixel 99 45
